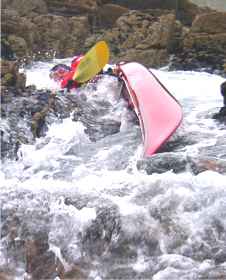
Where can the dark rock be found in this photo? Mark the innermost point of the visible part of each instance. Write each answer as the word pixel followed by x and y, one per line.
pixel 160 163
pixel 6 50
pixel 40 261
pixel 72 7
pixel 101 233
pixel 223 92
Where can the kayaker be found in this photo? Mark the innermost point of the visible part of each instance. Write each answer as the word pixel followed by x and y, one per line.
pixel 63 74
pixel 223 92
pixel 221 115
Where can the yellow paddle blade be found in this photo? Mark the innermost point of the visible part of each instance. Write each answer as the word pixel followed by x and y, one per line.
pixel 93 62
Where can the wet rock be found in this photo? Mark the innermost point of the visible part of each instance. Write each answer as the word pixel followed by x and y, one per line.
pixel 17 112
pixel 40 261
pixel 163 162
pixel 211 158
pixel 96 126
pixel 221 115
pixel 100 235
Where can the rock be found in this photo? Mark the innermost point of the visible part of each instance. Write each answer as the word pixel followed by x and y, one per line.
pixel 163 162
pixel 203 44
pixel 160 33
pixel 10 75
pixel 20 33
pixel 20 81
pixel 6 50
pixel 80 29
pixel 142 37
pixel 207 39
pixel 211 23
pixel 18 45
pixel 109 13
pixel 40 261
pixel 223 92
pixel 72 7
pixel 210 158
pixel 185 10
pixel 152 57
pixel 64 36
pixel 8 67
pixel 26 7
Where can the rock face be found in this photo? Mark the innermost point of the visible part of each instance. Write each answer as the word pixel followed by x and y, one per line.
pixel 204 44
pixel 148 31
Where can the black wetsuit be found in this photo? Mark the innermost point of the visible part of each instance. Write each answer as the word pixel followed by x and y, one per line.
pixel 221 115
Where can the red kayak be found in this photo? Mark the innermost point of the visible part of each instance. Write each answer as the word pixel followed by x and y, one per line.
pixel 158 111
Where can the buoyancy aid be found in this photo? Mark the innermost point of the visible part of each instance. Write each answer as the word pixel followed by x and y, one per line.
pixel 68 81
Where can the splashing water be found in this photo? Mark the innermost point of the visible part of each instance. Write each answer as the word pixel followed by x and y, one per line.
pixel 95 209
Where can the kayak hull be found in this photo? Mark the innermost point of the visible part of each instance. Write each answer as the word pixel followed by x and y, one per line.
pixel 158 111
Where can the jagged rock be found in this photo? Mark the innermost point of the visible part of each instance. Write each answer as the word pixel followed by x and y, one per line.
pixel 143 37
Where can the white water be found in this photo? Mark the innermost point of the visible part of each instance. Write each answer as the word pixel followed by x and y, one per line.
pixel 106 171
